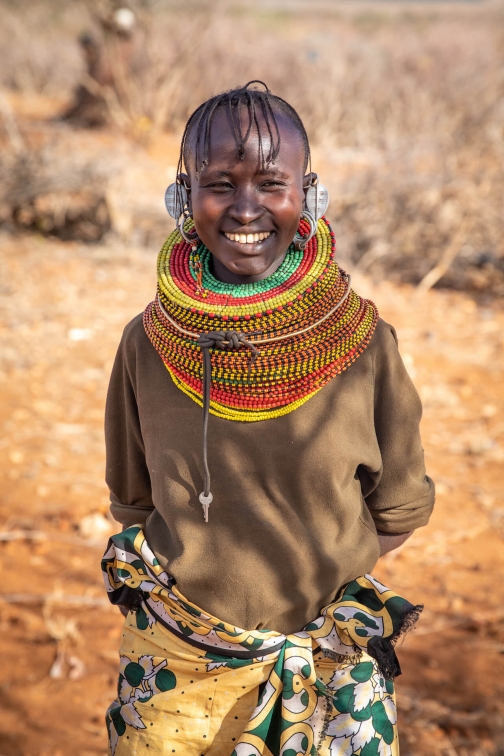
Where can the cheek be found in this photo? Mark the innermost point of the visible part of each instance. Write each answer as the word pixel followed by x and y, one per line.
pixel 206 215
pixel 289 213
pixel 204 208
pixel 291 204
pixel 285 211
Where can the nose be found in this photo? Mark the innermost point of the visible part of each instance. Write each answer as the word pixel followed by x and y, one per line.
pixel 245 208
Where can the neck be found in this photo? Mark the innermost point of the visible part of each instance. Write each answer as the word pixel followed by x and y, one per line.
pixel 221 273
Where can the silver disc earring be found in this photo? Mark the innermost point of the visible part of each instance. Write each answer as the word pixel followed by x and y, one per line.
pixel 177 205
pixel 317 200
pixel 176 200
pixel 316 204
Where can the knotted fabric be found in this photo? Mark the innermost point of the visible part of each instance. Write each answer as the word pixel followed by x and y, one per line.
pixel 294 711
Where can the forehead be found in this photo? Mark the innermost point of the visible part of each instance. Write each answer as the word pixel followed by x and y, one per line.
pixel 223 145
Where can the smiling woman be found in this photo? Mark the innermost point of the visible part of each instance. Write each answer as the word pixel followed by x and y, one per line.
pixel 245 183
pixel 257 631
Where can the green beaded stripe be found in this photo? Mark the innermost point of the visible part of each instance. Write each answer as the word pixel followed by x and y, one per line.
pixel 290 264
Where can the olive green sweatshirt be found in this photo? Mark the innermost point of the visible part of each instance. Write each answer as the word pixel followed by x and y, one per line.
pixel 297 499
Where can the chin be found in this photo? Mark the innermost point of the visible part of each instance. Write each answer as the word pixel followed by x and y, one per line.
pixel 249 267
pixel 257 272
pixel 246 268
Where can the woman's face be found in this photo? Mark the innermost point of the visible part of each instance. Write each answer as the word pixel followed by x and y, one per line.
pixel 245 215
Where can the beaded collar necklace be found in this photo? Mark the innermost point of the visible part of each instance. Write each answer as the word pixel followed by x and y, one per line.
pixel 274 343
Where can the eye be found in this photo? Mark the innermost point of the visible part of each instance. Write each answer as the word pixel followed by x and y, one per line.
pixel 219 186
pixel 272 184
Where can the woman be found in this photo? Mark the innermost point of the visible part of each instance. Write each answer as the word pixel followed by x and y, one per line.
pixel 254 626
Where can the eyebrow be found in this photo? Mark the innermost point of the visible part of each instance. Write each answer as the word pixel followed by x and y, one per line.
pixel 261 172
pixel 216 174
pixel 272 172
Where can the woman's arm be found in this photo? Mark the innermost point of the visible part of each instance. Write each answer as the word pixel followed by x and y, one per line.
pixel 390 541
pixel 127 473
pixel 403 496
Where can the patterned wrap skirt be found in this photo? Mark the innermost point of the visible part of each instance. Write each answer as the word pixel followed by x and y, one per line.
pixel 190 684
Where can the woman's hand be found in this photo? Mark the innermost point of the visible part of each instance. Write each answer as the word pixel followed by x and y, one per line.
pixel 390 541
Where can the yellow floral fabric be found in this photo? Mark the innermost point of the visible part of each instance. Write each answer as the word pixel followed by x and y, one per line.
pixel 191 684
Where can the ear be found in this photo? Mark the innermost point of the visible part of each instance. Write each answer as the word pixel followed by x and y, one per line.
pixel 309 180
pixel 185 180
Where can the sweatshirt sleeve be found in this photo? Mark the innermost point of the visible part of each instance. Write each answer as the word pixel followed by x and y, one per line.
pixel 127 475
pixel 404 497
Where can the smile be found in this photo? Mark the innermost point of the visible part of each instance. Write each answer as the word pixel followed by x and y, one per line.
pixel 248 238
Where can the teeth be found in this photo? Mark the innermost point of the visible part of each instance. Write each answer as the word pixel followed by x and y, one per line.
pixel 248 238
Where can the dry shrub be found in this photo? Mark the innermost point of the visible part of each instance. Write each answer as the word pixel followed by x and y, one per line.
pixel 405 110
pixel 82 215
pixel 37 39
pixel 54 189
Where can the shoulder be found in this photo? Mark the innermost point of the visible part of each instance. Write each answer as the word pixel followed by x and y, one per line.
pixel 135 343
pixel 384 342
pixel 388 369
pixel 383 354
pixel 385 335
pixel 134 330
pixel 134 336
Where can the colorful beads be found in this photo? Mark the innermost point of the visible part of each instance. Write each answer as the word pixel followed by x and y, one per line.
pixel 304 354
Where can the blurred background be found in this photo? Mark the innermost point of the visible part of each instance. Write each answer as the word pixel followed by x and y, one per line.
pixel 404 106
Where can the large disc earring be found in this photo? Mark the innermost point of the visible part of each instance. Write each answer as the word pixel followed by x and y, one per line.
pixel 300 241
pixel 177 205
pixel 317 199
pixel 176 199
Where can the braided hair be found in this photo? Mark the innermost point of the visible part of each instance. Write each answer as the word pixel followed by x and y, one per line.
pixel 256 102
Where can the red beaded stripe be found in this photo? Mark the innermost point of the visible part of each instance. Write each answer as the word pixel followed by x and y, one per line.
pixel 182 276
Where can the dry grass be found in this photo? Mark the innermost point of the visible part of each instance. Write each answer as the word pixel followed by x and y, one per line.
pixel 404 107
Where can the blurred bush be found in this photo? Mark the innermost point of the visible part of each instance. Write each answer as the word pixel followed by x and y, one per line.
pixel 404 106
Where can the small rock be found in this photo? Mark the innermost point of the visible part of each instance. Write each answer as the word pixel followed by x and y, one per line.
pixel 80 334
pixel 489 410
pixel 77 668
pixel 95 526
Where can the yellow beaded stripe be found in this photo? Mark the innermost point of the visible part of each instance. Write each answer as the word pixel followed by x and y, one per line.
pixel 233 413
pixel 305 365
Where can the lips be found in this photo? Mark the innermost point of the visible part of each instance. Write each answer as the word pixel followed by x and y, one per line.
pixel 248 238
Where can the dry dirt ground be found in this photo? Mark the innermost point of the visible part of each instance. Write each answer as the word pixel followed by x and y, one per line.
pixel 62 310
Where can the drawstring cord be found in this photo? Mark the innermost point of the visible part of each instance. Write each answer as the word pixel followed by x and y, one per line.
pixel 221 340
pixel 232 340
